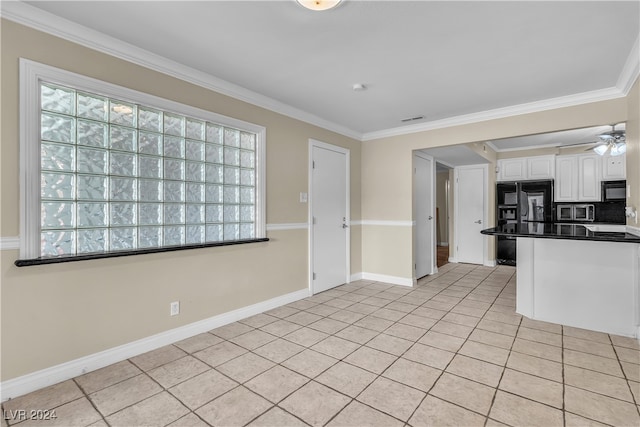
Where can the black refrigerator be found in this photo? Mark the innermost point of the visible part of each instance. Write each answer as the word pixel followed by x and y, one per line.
pixel 518 203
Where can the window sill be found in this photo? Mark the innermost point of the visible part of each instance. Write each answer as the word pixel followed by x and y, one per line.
pixel 73 258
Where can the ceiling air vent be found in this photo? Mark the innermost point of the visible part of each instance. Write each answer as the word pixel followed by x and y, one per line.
pixel 410 119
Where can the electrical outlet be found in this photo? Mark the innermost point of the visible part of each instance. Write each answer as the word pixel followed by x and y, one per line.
pixel 174 308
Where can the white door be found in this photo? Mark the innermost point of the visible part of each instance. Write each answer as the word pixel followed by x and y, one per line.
pixel 471 197
pixel 423 199
pixel 329 216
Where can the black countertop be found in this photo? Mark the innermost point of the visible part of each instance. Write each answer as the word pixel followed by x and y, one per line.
pixel 560 231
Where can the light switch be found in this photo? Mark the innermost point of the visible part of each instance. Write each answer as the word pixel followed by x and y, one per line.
pixel 303 197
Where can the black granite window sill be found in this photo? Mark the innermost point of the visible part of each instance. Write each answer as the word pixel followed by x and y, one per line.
pixel 73 258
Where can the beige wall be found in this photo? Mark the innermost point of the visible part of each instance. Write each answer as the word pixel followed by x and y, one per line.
pixel 76 309
pixel 56 313
pixel 633 151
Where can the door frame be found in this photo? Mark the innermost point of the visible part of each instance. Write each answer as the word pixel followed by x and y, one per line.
pixel 432 188
pixel 456 208
pixel 315 143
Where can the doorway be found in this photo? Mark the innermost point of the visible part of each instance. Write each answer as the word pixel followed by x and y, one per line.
pixel 471 213
pixel 329 237
pixel 424 205
pixel 444 175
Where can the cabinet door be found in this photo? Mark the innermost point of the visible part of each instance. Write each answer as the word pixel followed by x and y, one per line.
pixel 566 184
pixel 512 169
pixel 614 167
pixel 589 178
pixel 541 167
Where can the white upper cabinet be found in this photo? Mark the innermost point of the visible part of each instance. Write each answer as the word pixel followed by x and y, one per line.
pixel 526 168
pixel 578 178
pixel 566 183
pixel 512 169
pixel 589 177
pixel 614 167
pixel 541 167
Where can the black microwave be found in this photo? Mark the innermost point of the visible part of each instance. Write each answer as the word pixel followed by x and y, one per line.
pixel 614 191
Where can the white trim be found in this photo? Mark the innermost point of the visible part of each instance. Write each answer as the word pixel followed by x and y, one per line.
pixel 288 226
pixel 385 223
pixel 529 147
pixel 635 231
pixel 501 113
pixel 27 383
pixel 490 263
pixel 631 69
pixel 432 213
pixel 40 20
pixel 31 75
pixel 355 277
pixel 9 243
pixel 347 153
pixel 394 280
pixel 49 23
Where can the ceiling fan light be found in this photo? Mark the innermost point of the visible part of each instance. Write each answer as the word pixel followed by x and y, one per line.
pixel 600 149
pixel 619 149
pixel 319 5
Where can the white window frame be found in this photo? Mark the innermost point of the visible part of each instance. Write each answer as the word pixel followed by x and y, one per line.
pixel 33 73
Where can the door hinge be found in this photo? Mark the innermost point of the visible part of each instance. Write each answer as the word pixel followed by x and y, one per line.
pixel 314 276
pixel 313 164
pixel 313 220
pixel 415 266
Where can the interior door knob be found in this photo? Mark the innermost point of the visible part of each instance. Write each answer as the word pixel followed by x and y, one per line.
pixel 478 221
pixel 430 217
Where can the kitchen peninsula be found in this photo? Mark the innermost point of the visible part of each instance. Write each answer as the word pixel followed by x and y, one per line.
pixel 584 276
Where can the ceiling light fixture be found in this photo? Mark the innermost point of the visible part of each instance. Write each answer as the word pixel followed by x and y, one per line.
pixel 319 5
pixel 615 142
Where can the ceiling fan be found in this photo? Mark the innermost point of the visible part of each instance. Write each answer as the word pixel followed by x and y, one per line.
pixel 614 141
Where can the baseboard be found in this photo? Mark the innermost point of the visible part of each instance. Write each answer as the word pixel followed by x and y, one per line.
pixel 34 381
pixel 490 263
pixel 453 259
pixel 443 244
pixel 355 277
pixel 394 280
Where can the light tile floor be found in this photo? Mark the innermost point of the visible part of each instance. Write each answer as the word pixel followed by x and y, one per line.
pixel 451 351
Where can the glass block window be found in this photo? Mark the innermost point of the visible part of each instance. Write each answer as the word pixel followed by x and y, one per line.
pixel 121 175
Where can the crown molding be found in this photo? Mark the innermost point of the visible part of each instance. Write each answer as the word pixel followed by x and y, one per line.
pixel 500 113
pixel 631 69
pixel 38 19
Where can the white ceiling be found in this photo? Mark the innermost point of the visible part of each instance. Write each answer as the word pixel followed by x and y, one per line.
pixel 440 60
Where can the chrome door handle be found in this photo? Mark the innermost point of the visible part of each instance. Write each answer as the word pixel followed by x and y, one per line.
pixel 345 226
pixel 430 217
pixel 478 221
